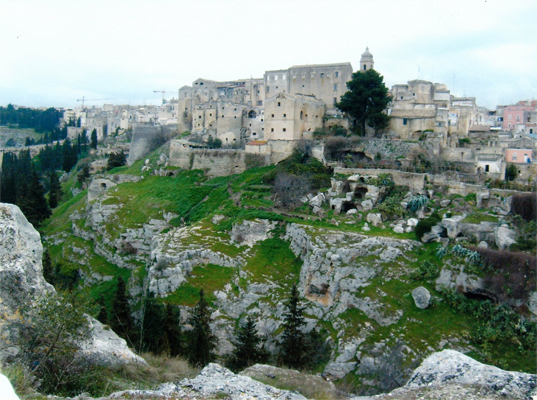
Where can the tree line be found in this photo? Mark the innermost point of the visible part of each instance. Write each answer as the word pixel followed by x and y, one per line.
pixel 22 117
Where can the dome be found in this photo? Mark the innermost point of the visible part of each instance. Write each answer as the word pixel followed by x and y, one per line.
pixel 367 54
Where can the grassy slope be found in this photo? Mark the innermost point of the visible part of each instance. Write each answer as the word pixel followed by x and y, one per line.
pixel 196 199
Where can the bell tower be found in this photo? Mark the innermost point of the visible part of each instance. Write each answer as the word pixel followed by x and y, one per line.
pixel 366 62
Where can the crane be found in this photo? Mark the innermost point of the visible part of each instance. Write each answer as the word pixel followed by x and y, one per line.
pixel 84 99
pixel 161 91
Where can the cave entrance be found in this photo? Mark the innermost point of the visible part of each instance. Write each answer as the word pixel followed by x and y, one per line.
pixel 481 296
pixel 347 205
pixel 359 193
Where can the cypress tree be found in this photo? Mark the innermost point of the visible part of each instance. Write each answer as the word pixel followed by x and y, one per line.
pixel 172 330
pixel 294 342
pixel 121 320
pixel 55 192
pixel 248 347
pixel 201 341
pixel 93 144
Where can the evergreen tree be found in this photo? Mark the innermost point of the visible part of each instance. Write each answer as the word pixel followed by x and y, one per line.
pixel 248 347
pixel 153 326
pixel 172 330
pixel 33 204
pixel 121 320
pixel 366 100
pixel 201 341
pixel 48 270
pixel 55 194
pixel 93 144
pixel 103 314
pixel 294 342
pixel 70 156
pixel 84 174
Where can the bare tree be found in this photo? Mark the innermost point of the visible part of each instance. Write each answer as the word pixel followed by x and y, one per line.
pixel 289 189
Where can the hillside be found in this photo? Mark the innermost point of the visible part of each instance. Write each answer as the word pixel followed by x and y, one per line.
pixel 352 251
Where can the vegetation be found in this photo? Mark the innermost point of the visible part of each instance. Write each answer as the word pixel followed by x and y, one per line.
pixel 366 100
pixel 116 159
pixel 249 349
pixel 201 341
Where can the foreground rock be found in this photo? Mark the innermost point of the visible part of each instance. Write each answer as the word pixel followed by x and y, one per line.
pixel 21 280
pixel 214 381
pixel 452 375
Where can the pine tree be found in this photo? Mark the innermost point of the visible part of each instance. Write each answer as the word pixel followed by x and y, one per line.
pixel 83 174
pixel 248 347
pixel 172 331
pixel 55 193
pixel 121 320
pixel 201 341
pixel 153 325
pixel 294 341
pixel 48 270
pixel 93 144
pixel 33 203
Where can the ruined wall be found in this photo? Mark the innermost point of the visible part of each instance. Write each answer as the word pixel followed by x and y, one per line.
pixel 145 139
pixel 215 162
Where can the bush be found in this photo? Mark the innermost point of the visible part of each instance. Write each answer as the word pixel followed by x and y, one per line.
pixel 288 189
pixel 425 225
pixel 525 205
pixel 335 146
pixel 254 161
pixel 118 159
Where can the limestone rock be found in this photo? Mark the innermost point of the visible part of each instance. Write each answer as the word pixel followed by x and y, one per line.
pixel 421 297
pixel 339 370
pixel 412 222
pixel 352 211
pixel 483 245
pixel 505 237
pixel 6 389
pixel 251 232
pixel 374 219
pixel 318 200
pixel 367 205
pixel 21 280
pixel 366 227
pixel 398 229
pixel 445 203
pixel 452 367
pixel 104 347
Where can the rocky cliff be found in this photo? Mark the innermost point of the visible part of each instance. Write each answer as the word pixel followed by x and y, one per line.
pixel 21 282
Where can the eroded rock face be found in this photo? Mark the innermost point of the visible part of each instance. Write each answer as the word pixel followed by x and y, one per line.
pixel 21 281
pixel 452 367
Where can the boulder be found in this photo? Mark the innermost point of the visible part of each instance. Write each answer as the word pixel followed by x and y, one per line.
pixel 335 204
pixel 318 200
pixel 398 229
pixel 480 196
pixel 374 219
pixel 505 237
pixel 352 211
pixel 366 227
pixel 367 205
pixel 421 297
pixel 445 203
pixel 452 367
pixel 412 222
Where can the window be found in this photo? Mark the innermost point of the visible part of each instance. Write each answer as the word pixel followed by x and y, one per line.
pixel 275 77
pixel 284 77
pixel 272 115
pixel 486 168
pixel 234 109
pixel 364 67
pixel 199 116
pixel 285 115
pixel 514 158
pixel 272 129
pixel 401 97
pixel 201 83
pixel 279 104
pixel 302 85
pixel 510 116
pixel 284 129
pixel 518 117
pixel 254 134
pixel 405 121
pixel 335 100
pixel 322 74
pixel 260 102
pixel 235 117
pixel 268 87
pixel 222 116
pixel 335 87
pixel 336 74
pixel 210 115
pixel 301 114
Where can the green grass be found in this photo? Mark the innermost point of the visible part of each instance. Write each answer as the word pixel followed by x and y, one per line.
pixel 476 217
pixel 274 261
pixel 60 220
pixel 208 277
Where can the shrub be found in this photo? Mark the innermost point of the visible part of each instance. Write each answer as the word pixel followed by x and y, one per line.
pixel 254 161
pixel 288 189
pixel 425 225
pixel 417 202
pixel 525 205
pixel 335 146
pixel 426 271
pixel 514 273
pixel 118 159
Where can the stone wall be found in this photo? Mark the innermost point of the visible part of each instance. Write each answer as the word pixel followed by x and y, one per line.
pixel 146 139
pixel 215 162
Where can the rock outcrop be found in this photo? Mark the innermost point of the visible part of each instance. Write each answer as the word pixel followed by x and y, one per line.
pixel 21 281
pixel 215 381
pixel 452 375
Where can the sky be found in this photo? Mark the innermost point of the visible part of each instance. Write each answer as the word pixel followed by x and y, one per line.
pixel 53 52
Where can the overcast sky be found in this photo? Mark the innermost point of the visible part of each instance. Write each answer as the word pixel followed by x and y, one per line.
pixel 54 52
